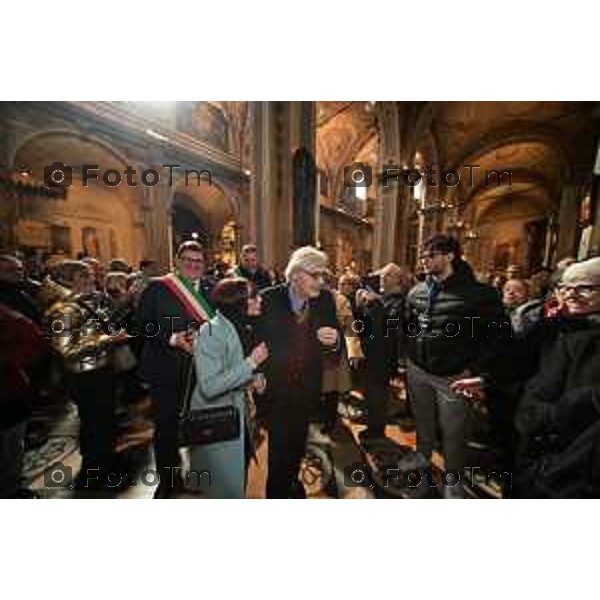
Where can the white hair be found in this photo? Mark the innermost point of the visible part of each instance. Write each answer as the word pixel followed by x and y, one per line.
pixel 588 269
pixel 306 258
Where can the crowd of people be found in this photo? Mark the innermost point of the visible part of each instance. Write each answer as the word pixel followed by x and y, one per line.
pixel 521 356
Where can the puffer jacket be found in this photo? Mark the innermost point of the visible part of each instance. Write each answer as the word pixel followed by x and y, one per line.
pixel 461 328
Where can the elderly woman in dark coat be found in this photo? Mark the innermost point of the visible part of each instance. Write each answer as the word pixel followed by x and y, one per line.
pixel 558 419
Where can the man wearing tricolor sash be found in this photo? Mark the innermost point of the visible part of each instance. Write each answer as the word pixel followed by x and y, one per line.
pixel 171 309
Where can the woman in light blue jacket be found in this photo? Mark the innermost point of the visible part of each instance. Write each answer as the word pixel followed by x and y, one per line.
pixel 225 369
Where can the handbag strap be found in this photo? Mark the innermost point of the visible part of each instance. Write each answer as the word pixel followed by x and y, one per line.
pixel 190 382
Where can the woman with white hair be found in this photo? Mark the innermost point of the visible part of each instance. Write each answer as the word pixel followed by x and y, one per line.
pixel 558 418
pixel 299 326
pixel 549 361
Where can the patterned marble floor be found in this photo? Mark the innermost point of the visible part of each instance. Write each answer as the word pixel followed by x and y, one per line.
pixel 322 470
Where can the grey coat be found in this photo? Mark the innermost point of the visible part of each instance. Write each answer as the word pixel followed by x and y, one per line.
pixel 222 372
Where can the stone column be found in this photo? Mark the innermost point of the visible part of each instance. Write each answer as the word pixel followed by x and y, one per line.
pixel 6 133
pixel 595 241
pixel 283 199
pixel 263 181
pixel 302 140
pixel 567 222
pixel 386 205
pixel 157 214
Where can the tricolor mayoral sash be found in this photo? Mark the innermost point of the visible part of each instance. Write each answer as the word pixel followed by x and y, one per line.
pixel 194 302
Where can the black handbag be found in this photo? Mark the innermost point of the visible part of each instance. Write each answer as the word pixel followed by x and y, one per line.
pixel 210 425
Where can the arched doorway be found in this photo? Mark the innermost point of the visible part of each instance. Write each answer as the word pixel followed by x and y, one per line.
pixel 187 225
pixel 96 220
pixel 205 213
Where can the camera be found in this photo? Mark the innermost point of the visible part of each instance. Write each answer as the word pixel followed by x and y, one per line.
pixel 58 175
pixel 358 175
pixel 58 475
pixel 357 475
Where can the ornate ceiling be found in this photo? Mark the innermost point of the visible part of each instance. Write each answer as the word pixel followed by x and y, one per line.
pixel 538 142
pixel 346 132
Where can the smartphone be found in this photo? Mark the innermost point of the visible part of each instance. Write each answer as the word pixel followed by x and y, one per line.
pixel 372 283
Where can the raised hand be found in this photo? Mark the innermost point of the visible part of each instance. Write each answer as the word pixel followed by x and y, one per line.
pixel 259 354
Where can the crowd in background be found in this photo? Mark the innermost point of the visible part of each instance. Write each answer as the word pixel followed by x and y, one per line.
pixel 521 355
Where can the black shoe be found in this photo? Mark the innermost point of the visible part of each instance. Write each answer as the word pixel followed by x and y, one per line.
pixel 162 492
pixel 170 484
pixel 368 438
pixel 25 494
pixel 297 492
pixel 327 428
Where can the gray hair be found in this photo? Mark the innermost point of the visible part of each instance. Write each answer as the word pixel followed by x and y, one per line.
pixel 589 269
pixel 306 258
pixel 65 271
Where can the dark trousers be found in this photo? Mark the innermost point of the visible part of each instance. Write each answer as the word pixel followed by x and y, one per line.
pixel 436 406
pixel 166 402
pixel 287 424
pixel 94 395
pixel 377 393
pixel 11 459
pixel 329 409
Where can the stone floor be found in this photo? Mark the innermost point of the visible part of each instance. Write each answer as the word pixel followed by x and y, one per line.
pixel 322 470
pixel 322 473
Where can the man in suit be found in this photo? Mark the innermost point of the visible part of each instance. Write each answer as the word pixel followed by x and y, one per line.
pixel 171 307
pixel 299 326
pixel 250 269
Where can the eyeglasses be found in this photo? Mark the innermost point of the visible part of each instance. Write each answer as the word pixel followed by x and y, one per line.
pixel 429 255
pixel 585 291
pixel 316 274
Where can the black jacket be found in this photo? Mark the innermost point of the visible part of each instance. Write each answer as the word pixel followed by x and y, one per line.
pixel 260 278
pixel 464 328
pixel 564 395
pixel 17 298
pixel 274 327
pixel 381 325
pixel 160 314
pixel 558 422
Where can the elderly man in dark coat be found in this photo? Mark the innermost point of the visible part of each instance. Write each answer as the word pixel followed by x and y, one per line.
pixel 299 325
